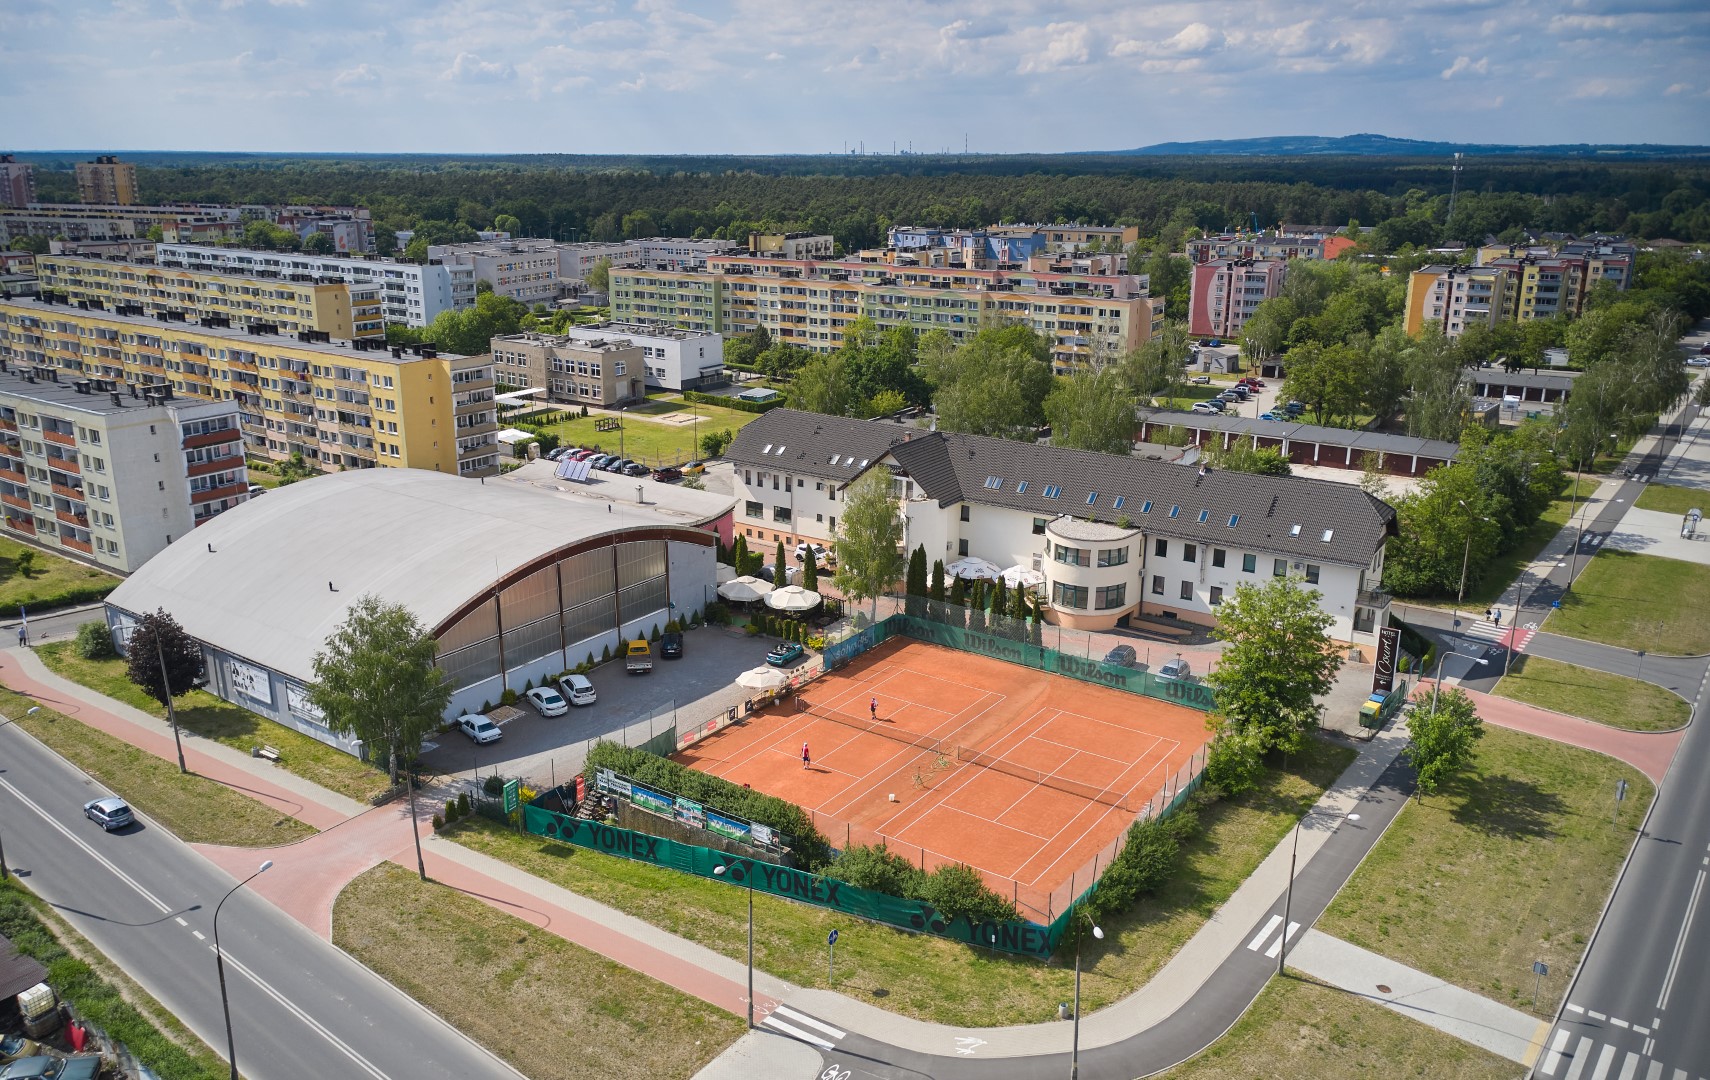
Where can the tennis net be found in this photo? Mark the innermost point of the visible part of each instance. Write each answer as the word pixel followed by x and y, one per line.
pixel 969 756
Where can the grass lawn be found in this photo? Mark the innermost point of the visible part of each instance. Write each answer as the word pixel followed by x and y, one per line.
pixel 1509 863
pixel 54 582
pixel 1672 500
pixel 651 443
pixel 263 477
pixel 1609 699
pixel 1497 585
pixel 194 808
pixel 1638 602
pixel 550 1008
pixel 1302 1028
pixel 223 722
pixel 101 992
pixel 932 978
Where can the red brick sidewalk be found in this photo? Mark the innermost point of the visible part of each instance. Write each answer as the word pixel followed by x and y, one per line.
pixel 1649 752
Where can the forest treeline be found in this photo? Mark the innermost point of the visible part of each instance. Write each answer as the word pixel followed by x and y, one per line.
pixel 857 198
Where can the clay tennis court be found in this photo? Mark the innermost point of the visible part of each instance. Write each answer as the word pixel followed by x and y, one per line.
pixel 1021 774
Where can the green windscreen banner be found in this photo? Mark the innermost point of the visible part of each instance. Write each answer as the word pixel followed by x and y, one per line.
pixel 1017 936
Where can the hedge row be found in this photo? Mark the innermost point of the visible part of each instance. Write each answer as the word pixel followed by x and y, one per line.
pixel 732 402
pixel 66 597
pixel 94 999
pixel 812 851
pixel 1149 857
pixel 953 889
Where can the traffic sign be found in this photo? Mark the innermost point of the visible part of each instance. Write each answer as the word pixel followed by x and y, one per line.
pixel 831 938
pixel 511 799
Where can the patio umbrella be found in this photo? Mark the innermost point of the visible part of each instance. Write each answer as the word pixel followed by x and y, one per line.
pixel 1023 577
pixel 726 573
pixel 971 568
pixel 792 598
pixel 762 678
pixel 744 588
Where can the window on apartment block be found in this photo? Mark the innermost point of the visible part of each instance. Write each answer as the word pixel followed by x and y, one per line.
pixel 1312 573
pixel 1190 552
pixel 1111 596
pixel 781 514
pixel 1157 584
pixel 1038 526
pixel 1073 556
pixel 1249 564
pixel 1113 556
pixel 1160 548
pixel 964 511
pixel 1216 595
pixel 1218 555
pixel 1187 590
pixel 753 509
pixel 1279 568
pixel 961 547
pixel 1069 596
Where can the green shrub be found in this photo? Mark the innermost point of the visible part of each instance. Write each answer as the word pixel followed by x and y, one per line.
pixel 463 804
pixel 654 637
pixel 493 785
pixel 959 890
pixel 25 564
pixel 529 685
pixel 94 641
pixel 486 706
pixel 509 697
pixel 876 867
pixel 673 627
pixel 438 823
pixel 605 654
pixel 1148 857
pixel 451 809
pixel 811 849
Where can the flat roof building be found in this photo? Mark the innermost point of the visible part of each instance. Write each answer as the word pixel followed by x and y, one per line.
pixel 107 180
pixel 98 472
pixel 412 294
pixel 516 581
pixel 17 182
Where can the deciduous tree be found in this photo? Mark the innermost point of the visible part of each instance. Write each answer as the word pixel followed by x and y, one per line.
pixel 869 539
pixel 158 637
pixel 1092 410
pixel 1443 732
pixel 1278 660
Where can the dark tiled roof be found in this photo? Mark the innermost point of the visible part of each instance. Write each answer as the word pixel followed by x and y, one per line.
pixel 1286 515
pixel 1552 380
pixel 806 442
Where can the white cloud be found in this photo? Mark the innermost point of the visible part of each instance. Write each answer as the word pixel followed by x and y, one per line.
pixel 360 75
pixel 1677 88
pixel 470 68
pixel 1465 64
pixel 1194 38
pixel 1066 46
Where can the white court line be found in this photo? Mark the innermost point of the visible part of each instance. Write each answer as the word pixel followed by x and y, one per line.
pixel 1259 938
pixel 804 1018
pixel 1276 946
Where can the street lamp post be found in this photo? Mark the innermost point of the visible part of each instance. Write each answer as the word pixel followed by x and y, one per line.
pixel 720 872
pixel 1075 1046
pixel 220 964
pixel 5 874
pixel 1288 900
pixel 1438 689
pixel 166 692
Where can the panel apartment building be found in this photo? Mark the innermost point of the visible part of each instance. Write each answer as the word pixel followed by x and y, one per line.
pixel 1113 536
pixel 1265 246
pixel 107 180
pixel 78 223
pixel 1516 284
pixel 1224 293
pixel 341 404
pixel 96 472
pixel 809 303
pixel 519 263
pixel 610 363
pixel 411 294
pixel 17 182
pixel 344 310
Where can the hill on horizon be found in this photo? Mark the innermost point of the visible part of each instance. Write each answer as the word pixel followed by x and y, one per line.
pixel 1370 145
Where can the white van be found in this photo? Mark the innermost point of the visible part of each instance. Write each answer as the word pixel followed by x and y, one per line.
pixel 578 689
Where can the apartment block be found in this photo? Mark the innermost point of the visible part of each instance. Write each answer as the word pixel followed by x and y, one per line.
pixel 94 470
pixel 340 404
pixel 1550 281
pixel 411 294
pixel 344 310
pixel 17 182
pixel 107 181
pixel 809 303
pixel 525 270
pixel 572 368
pixel 1457 297
pixel 1007 246
pixel 1266 246
pixel 1224 293
pixel 77 223
pixel 796 245
pixel 672 359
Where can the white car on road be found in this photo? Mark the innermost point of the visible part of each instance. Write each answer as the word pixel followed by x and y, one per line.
pixel 479 728
pixel 547 701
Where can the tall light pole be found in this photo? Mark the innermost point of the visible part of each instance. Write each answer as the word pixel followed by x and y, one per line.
pixel 220 963
pixel 720 871
pixel 1075 1046
pixel 1438 689
pixel 1461 595
pixel 415 829
pixel 166 692
pixel 1288 899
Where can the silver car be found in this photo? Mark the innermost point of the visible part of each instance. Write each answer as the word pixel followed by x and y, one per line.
pixel 109 813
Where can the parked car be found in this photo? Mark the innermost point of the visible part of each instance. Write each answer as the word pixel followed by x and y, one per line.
pixel 635 468
pixel 1121 656
pixel 598 461
pixel 1206 343
pixel 1207 407
pixel 556 452
pixel 618 464
pixel 547 701
pixel 109 813
pixel 578 689
pixel 1699 361
pixel 638 659
pixel 479 729
pixel 1238 391
pixel 671 645
pixel 1175 669
pixel 1272 416
pixel 694 468
pixel 820 554
pixel 1201 380
pixel 75 1067
pixel 667 475
pixel 13 1047
pixel 1255 383
pixel 786 652
pixel 584 455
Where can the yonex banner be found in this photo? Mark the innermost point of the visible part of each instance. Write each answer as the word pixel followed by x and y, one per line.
pixel 1018 936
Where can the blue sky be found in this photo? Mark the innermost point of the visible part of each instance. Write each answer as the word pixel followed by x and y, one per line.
pixel 810 76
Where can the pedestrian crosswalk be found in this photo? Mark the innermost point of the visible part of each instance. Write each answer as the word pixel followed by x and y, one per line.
pixel 1588 1059
pixel 1513 637
pixel 800 1025
pixel 1265 933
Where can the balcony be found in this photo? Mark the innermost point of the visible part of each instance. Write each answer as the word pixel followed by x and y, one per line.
pixel 23 525
pixel 64 465
pixel 214 465
pixel 16 475
pixel 1372 598
pixel 69 518
pixel 215 494
pixel 58 437
pixel 15 501
pixel 74 494
pixel 75 544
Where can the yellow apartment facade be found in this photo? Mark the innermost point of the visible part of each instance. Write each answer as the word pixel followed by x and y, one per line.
pixel 343 310
pixel 352 404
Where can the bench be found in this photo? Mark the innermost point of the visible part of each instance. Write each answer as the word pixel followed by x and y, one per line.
pixel 268 752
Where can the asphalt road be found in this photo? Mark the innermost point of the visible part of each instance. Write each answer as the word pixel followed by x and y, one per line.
pixel 1207 1015
pixel 299 1006
pixel 1643 994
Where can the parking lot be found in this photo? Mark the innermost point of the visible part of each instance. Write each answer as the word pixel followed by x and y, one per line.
pixel 699 686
